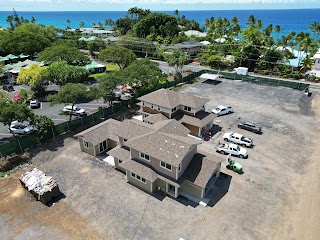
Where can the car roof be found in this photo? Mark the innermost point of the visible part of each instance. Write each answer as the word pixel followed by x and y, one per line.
pixel 237 135
pixel 233 145
pixel 220 106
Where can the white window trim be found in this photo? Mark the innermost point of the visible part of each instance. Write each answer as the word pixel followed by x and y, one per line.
pixel 179 168
pixel 135 176
pixel 85 144
pixel 143 157
pixel 166 166
pixel 185 108
pixel 159 108
pixel 152 106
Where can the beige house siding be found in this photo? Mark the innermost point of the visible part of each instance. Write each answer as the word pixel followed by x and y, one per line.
pixel 191 188
pixel 149 110
pixel 116 164
pixel 89 150
pixel 185 162
pixel 144 186
pixel 194 130
pixel 155 164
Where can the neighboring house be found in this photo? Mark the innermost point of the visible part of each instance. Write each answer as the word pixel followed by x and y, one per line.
pixel 188 110
pixel 190 47
pixel 157 156
pixel 98 33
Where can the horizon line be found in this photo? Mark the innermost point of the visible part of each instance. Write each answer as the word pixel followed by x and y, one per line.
pixel 270 9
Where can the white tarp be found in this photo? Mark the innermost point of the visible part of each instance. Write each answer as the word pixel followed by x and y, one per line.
pixel 210 76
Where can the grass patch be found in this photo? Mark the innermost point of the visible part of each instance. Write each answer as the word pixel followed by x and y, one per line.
pixel 97 75
pixel 3 174
pixel 111 67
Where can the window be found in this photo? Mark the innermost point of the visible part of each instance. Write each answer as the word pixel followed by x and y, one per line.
pixel 166 166
pixel 159 109
pixel 179 167
pixel 141 179
pixel 120 161
pixel 144 156
pixel 152 106
pixel 86 144
pixel 142 103
pixel 188 109
pixel 174 109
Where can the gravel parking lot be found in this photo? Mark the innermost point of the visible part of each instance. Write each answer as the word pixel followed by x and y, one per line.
pixel 277 197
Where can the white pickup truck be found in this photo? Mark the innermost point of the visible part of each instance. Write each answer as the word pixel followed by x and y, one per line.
pixel 238 138
pixel 232 149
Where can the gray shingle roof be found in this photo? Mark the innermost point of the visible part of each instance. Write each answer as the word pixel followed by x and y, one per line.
pixel 139 169
pixel 100 132
pixel 168 148
pixel 201 119
pixel 132 128
pixel 155 118
pixel 120 153
pixel 201 168
pixel 170 99
pixel 171 127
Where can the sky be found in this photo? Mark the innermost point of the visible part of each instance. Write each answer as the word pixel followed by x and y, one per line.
pixel 153 5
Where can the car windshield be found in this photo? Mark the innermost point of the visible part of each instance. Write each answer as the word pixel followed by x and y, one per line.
pixel 238 148
pixel 77 109
pixel 218 109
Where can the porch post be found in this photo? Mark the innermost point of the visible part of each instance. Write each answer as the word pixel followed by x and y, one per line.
pixel 175 192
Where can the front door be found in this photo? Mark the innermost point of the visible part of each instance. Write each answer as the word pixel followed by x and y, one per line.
pixel 102 146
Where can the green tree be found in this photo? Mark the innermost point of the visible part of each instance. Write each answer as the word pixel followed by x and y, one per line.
pixel 25 95
pixel 32 76
pixel 117 54
pixel 109 22
pixel 69 54
pixel 144 73
pixel 177 59
pixel 69 93
pixel 62 73
pixel 42 123
pixel 14 111
pixel 4 95
pixel 28 39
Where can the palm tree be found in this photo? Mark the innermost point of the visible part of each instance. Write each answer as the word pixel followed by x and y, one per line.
pixel 69 22
pixel 33 19
pixel 251 22
pixel 82 24
pixel 10 21
pixel 176 13
pixel 277 29
pixel 177 59
pixel 314 28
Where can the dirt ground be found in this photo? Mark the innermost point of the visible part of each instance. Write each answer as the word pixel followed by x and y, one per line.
pixel 277 197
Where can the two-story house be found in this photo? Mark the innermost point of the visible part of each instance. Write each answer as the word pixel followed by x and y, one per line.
pixel 187 109
pixel 157 156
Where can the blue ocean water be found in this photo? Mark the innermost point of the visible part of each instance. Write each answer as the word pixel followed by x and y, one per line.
pixel 289 20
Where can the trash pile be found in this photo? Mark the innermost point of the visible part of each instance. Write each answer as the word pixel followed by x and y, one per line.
pixel 43 187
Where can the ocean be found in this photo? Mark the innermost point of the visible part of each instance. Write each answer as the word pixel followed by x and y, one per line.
pixel 297 20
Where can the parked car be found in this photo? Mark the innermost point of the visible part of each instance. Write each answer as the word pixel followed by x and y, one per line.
pixel 238 138
pixel 34 103
pixel 250 126
pixel 232 149
pixel 17 127
pixel 233 165
pixel 76 110
pixel 222 110
pixel 16 96
pixel 8 88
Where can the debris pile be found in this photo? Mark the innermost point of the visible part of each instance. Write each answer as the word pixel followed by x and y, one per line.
pixel 41 186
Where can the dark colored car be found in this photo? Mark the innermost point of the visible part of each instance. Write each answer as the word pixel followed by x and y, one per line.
pixel 250 126
pixel 8 88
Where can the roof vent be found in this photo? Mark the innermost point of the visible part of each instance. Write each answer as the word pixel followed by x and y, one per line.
pixel 173 144
pixel 176 155
pixel 181 146
pixel 165 140
pixel 160 148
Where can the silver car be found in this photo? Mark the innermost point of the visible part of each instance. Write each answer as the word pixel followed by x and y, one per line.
pixel 20 128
